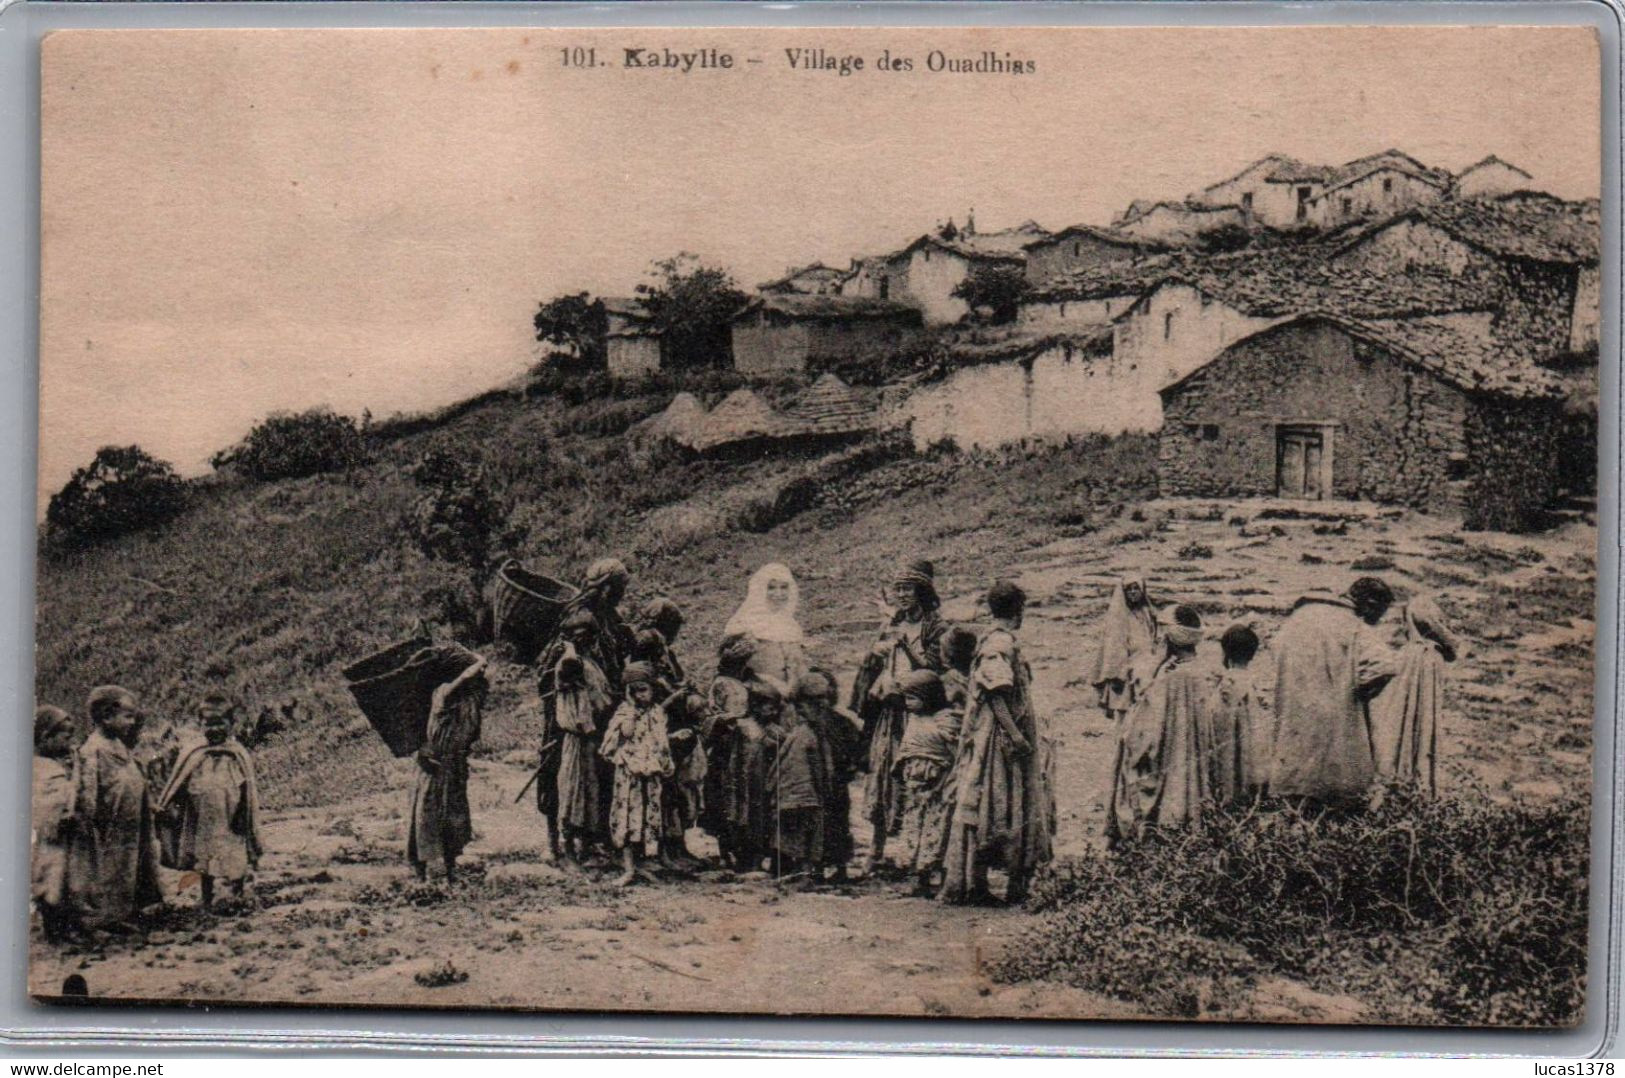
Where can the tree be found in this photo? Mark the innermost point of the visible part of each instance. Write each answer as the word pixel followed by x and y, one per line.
pixel 289 445
pixel 997 289
pixel 459 519
pixel 123 490
pixel 575 322
pixel 692 305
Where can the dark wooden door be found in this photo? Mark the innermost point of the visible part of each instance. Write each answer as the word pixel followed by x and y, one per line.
pixel 1298 455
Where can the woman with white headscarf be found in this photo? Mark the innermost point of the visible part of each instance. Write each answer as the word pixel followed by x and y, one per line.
pixel 768 618
pixel 1129 636
pixel 1405 716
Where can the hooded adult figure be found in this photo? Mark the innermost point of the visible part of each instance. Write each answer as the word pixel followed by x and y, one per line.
pixel 768 618
pixel 112 870
pixel 910 641
pixel 1163 773
pixel 1327 666
pixel 1405 716
pixel 1129 638
pixel 601 595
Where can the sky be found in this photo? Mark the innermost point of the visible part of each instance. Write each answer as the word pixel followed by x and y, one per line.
pixel 238 222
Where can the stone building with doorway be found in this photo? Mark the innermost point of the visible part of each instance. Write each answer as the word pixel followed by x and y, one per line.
pixel 1431 412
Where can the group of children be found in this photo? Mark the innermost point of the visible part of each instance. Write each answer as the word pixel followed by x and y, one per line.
pixel 634 754
pixel 1343 717
pixel 112 807
pixel 957 770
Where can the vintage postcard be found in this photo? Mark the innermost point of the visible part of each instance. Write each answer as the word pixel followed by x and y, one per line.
pixel 1061 523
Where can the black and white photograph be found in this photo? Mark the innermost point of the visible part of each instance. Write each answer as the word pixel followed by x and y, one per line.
pixel 1057 523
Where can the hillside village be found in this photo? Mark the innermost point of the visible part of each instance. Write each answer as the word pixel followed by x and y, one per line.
pixel 1380 330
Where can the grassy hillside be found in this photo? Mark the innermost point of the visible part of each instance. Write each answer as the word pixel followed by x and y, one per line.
pixel 269 590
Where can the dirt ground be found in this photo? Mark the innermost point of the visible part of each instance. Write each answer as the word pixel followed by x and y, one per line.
pixel 339 922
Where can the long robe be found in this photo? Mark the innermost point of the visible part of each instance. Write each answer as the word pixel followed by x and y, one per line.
pixel 1165 760
pixel 925 769
pixel 212 803
pixel 909 647
pixel 1239 751
pixel 112 871
pixel 581 706
pixel 1325 665
pixel 838 730
pixel 726 704
pixel 1002 812
pixel 1129 644
pixel 49 806
pixel 635 743
pixel 1405 717
pixel 442 825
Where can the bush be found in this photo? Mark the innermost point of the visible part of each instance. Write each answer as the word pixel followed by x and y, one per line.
pixel 123 490
pixel 1432 911
pixel 287 445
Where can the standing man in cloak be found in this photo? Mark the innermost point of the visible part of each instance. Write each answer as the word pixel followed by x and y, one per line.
pixel 1327 668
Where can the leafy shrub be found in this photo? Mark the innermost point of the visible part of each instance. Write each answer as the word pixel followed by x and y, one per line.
pixel 459 519
pixel 440 976
pixel 288 445
pixel 1436 911
pixel 123 490
pixel 1194 552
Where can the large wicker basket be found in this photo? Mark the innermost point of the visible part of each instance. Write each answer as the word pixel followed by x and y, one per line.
pixel 526 606
pixel 395 688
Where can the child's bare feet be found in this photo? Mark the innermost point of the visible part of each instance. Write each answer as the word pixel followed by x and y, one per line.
pixel 626 879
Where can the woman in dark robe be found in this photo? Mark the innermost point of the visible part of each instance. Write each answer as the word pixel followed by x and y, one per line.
pixel 441 825
pixel 910 640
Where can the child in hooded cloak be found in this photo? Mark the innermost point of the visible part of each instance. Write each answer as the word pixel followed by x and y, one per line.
pixel 212 804
pixel 1128 645
pixel 52 801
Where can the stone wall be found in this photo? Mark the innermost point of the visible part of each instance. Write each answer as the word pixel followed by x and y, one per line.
pixel 931 278
pixel 1057 258
pixel 1394 434
pixel 1587 310
pixel 1381 193
pixel 1074 312
pixel 1513 447
pixel 765 345
pixel 633 356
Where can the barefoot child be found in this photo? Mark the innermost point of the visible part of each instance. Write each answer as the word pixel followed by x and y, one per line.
pixel 212 803
pixel 52 801
pixel 925 768
pixel 635 742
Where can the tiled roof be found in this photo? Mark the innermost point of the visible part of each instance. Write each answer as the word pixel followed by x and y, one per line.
pixel 1489 161
pixel 1104 235
pixel 1524 224
pixel 1002 343
pixel 800 306
pixel 813 270
pixel 1279 168
pixel 1458 348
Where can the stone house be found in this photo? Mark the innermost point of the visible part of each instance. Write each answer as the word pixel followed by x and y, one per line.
pixel 925 273
pixel 1177 223
pixel 1096 295
pixel 1539 254
pixel 1273 191
pixel 1490 177
pixel 1379 190
pixel 816 279
pixel 1430 412
pixel 1081 247
pixel 632 345
pixel 786 333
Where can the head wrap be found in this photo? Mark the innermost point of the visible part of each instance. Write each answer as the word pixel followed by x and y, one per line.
pixel 737 649
pixel 814 685
pixel 49 720
pixel 1176 632
pixel 1426 621
pixel 758 618
pixel 662 615
pixel 604 570
pixel 216 703
pixel 1126 633
pixel 104 698
pixel 579 618
pixel 921 575
pixel 639 673
pixel 923 688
